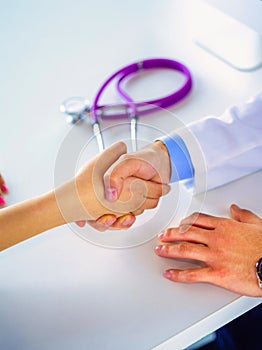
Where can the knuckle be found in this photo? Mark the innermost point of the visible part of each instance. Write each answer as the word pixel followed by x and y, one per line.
pixel 110 177
pixel 168 233
pixel 195 216
pixel 190 276
pixel 183 249
pixel 165 249
pixel 140 212
pixel 154 204
pixel 126 157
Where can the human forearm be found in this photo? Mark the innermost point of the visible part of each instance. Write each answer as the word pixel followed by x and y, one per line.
pixel 80 199
pixel 29 218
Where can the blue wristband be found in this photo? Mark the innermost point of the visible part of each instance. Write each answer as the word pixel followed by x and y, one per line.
pixel 181 164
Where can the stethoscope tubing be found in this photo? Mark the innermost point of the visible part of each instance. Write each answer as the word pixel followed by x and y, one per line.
pixel 131 107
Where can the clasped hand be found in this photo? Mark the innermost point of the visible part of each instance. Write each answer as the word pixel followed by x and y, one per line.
pixel 123 185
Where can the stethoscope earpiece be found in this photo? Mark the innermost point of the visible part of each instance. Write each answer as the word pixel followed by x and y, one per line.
pixel 76 109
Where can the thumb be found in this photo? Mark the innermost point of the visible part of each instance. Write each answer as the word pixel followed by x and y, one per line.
pixel 244 215
pixel 111 155
pixel 127 166
pixel 105 161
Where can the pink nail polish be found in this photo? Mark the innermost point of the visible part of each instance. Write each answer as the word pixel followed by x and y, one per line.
pixel 168 274
pixel 110 222
pixel 4 188
pixel 158 249
pixel 81 223
pixel 128 221
pixel 111 194
pixel 161 235
pixel 2 200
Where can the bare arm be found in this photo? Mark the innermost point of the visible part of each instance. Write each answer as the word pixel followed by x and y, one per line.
pixel 24 220
pixel 81 198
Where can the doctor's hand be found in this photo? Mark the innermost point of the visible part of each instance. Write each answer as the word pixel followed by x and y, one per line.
pixel 151 164
pixel 229 249
pixel 83 197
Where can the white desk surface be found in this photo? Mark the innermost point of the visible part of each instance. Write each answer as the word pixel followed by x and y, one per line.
pixel 58 291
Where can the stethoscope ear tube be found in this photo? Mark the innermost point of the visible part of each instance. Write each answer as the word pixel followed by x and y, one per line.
pixel 77 108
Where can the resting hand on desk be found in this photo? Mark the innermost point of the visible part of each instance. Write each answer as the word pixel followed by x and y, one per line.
pixel 81 198
pixel 229 249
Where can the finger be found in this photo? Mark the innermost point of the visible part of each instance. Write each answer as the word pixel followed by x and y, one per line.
pixel 2 201
pixel 185 233
pixel 106 220
pixel 124 222
pixel 138 212
pixel 149 204
pixel 110 222
pixel 2 181
pixel 202 274
pixel 3 187
pixel 97 226
pixel 103 223
pixel 111 154
pixel 206 221
pixel 122 169
pixel 183 250
pixel 148 189
pixel 244 215
pixel 81 223
pixel 156 190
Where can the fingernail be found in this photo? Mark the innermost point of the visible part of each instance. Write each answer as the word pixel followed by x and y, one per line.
pixel 111 194
pixel 158 249
pixel 4 188
pixel 161 235
pixel 109 222
pixel 2 200
pixel 168 274
pixel 127 220
pixel 81 223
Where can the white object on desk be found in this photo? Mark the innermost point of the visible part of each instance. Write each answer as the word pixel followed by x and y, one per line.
pixel 232 31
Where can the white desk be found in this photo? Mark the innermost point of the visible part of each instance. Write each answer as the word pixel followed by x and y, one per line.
pixel 57 291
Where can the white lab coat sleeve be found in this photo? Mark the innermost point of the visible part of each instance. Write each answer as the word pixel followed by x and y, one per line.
pixel 226 148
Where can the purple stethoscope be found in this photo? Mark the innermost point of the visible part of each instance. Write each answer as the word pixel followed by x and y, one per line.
pixel 78 108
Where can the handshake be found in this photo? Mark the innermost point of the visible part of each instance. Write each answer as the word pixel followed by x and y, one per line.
pixel 115 187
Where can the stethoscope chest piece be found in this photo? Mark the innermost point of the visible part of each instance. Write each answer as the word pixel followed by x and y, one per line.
pixel 76 109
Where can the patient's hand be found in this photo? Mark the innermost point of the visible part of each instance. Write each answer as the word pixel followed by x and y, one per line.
pixel 83 198
pixel 151 164
pixel 80 199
